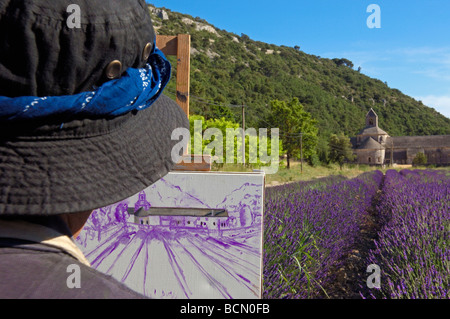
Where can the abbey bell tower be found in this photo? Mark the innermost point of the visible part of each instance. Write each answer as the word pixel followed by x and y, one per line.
pixel 371 119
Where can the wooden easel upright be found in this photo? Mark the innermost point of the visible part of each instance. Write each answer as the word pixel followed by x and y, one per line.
pixel 180 46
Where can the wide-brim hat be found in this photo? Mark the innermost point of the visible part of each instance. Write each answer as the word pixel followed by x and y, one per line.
pixel 57 160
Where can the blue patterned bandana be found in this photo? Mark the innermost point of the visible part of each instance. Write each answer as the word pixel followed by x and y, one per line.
pixel 137 89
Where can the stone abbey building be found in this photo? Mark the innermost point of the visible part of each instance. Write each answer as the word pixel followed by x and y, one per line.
pixel 373 146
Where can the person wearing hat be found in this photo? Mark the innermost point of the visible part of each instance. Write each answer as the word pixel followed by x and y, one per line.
pixel 83 125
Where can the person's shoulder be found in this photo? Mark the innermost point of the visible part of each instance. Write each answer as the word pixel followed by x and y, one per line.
pixel 46 273
pixel 95 284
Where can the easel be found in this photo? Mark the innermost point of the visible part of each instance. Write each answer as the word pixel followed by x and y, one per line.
pixel 199 233
pixel 180 46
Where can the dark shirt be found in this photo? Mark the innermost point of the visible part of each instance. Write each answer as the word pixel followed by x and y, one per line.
pixel 37 271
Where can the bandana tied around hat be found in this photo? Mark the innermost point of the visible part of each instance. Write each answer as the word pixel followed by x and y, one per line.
pixel 137 89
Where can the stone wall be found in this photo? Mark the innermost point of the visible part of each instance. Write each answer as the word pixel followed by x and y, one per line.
pixel 370 157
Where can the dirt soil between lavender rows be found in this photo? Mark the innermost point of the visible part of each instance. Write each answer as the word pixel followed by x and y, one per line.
pixel 351 279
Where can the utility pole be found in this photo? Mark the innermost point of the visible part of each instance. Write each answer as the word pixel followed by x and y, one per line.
pixel 301 153
pixel 392 152
pixel 243 134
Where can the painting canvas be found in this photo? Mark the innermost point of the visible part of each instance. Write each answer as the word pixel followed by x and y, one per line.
pixel 191 235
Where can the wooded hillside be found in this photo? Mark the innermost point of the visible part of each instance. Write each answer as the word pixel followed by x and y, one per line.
pixel 229 70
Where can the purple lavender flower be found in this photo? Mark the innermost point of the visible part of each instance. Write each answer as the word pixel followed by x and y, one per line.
pixel 309 228
pixel 413 248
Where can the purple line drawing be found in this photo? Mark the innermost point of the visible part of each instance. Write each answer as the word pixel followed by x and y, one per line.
pixel 185 255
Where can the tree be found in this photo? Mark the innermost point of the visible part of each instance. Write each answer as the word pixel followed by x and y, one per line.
pixel 420 159
pixel 340 149
pixel 298 130
pixel 209 137
pixel 343 61
pixel 323 149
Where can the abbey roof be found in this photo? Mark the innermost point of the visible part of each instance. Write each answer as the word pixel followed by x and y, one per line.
pixel 370 144
pixel 431 141
pixel 373 130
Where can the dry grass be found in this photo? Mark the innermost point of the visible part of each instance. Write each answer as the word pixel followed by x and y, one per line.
pixel 295 173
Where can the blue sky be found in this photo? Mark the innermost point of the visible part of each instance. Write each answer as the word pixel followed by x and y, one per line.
pixel 411 50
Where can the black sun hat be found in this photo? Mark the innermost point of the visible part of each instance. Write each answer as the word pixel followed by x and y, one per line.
pixel 83 121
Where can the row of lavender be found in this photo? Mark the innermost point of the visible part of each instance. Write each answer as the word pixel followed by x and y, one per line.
pixel 413 248
pixel 309 227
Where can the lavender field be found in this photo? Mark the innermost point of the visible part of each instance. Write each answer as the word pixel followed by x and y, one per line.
pixel 413 248
pixel 311 228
